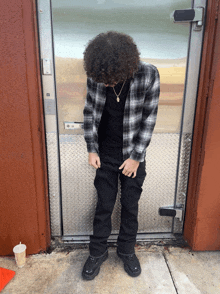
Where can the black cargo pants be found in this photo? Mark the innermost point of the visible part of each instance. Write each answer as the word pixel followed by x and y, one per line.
pixel 106 183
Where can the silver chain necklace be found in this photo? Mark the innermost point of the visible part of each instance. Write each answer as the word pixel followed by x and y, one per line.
pixel 117 95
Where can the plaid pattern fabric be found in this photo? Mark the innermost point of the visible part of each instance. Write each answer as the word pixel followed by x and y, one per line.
pixel 140 112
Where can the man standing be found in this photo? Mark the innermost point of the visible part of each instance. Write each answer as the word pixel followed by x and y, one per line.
pixel 119 117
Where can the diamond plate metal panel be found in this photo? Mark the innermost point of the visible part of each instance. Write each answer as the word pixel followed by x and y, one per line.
pixel 159 185
pixel 185 152
pixel 79 194
pixel 54 185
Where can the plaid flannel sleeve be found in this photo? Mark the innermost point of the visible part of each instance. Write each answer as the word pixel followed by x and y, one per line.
pixel 149 116
pixel 88 123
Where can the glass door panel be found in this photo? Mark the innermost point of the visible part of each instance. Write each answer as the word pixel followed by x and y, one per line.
pixel 160 41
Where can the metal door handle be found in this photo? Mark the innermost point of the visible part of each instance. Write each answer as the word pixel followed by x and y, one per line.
pixel 73 125
pixel 189 15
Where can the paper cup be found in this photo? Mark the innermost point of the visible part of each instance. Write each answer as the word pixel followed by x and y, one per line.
pixel 20 254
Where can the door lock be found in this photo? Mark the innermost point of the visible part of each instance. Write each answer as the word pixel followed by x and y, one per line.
pixel 195 15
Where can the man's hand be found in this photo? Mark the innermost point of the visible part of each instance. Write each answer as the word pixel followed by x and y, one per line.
pixel 130 167
pixel 94 160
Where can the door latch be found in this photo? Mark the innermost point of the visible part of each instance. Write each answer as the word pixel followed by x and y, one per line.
pixel 171 211
pixel 189 15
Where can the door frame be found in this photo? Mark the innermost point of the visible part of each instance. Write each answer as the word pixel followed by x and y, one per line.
pixel 51 121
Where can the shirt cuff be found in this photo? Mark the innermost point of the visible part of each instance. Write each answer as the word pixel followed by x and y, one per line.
pixel 137 156
pixel 91 148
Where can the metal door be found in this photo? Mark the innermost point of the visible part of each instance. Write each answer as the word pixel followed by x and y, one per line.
pixel 65 28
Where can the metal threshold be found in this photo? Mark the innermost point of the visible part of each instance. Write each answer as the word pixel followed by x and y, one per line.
pixel 141 237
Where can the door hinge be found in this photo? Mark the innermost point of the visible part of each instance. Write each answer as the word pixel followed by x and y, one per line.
pixel 171 211
pixel 195 15
pixel 217 9
pixel 46 65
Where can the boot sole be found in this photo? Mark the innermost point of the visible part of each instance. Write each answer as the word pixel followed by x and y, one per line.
pixel 96 272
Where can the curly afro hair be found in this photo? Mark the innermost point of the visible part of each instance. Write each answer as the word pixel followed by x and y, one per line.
pixel 111 58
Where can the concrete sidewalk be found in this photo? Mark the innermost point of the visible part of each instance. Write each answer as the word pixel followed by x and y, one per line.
pixel 165 270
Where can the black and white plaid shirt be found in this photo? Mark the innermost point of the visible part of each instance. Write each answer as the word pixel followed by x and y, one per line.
pixel 140 112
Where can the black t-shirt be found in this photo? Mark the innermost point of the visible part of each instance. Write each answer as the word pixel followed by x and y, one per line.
pixel 110 133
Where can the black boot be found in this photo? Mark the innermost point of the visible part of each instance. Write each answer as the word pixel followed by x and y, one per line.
pixel 131 264
pixel 92 266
